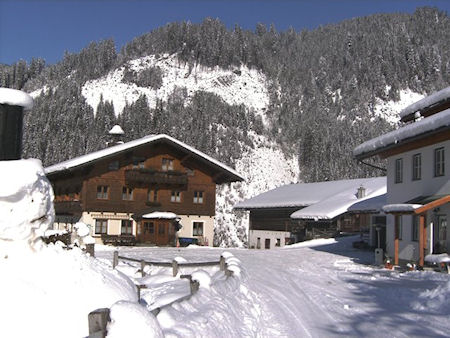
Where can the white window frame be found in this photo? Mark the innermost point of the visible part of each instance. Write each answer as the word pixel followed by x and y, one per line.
pixel 195 231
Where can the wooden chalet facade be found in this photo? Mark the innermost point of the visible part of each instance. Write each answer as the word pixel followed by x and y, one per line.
pixel 126 191
pixel 418 179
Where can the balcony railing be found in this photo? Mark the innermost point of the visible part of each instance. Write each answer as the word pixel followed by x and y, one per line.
pixel 67 207
pixel 144 176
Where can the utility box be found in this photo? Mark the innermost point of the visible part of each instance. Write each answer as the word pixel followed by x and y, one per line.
pixel 12 105
pixel 379 256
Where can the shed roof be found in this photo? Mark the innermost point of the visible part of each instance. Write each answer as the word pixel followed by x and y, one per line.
pixel 339 202
pixel 320 200
pixel 146 140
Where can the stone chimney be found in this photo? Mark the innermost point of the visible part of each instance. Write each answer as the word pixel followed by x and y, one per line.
pixel 13 103
pixel 116 133
pixel 361 192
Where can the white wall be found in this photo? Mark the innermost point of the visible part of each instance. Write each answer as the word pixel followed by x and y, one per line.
pixel 187 222
pixel 114 222
pixel 263 235
pixel 428 185
pixel 407 190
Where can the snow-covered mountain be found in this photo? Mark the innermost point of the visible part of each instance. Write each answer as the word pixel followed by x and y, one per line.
pixel 238 86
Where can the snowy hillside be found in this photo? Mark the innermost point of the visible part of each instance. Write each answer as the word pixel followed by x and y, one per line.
pixel 240 86
pixel 264 168
pixel 390 110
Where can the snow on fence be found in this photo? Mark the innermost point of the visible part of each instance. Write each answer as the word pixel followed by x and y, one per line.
pixel 174 264
pixel 98 319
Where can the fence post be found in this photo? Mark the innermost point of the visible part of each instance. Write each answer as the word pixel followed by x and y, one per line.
pixel 222 263
pixel 115 259
pixel 142 268
pixel 90 249
pixel 175 267
pixel 228 273
pixel 98 319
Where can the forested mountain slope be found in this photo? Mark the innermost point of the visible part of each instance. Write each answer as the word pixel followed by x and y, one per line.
pixel 307 98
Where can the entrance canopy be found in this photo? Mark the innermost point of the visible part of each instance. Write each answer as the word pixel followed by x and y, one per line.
pixel 160 215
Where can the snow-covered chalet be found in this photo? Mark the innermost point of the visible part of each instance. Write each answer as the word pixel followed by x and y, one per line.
pixel 140 191
pixel 296 212
pixel 418 179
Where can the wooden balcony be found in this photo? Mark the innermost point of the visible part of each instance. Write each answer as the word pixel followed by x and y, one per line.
pixel 67 207
pixel 151 177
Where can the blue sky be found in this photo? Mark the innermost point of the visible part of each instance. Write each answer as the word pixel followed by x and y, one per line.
pixel 48 28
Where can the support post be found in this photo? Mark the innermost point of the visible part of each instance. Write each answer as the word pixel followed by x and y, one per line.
pixel 396 238
pixel 142 268
pixel 98 319
pixel 175 267
pixel 421 240
pixel 222 263
pixel 90 249
pixel 115 259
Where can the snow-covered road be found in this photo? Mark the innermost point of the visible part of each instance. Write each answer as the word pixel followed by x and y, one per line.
pixel 319 289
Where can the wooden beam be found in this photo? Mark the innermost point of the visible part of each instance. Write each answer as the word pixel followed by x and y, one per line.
pixel 396 238
pixel 432 205
pixel 422 239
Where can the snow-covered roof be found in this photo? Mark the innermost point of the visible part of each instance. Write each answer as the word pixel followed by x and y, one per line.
pixel 15 97
pixel 160 215
pixel 339 202
pixel 400 208
pixel 308 194
pixel 439 121
pixel 372 204
pixel 426 102
pixel 116 130
pixel 114 150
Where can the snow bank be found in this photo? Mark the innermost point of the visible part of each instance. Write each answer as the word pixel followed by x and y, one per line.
pixel 15 97
pixel 53 290
pixel 46 291
pixel 310 244
pixel 132 320
pixel 26 204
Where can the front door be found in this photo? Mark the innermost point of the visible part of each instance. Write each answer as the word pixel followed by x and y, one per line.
pixel 162 235
pixel 155 232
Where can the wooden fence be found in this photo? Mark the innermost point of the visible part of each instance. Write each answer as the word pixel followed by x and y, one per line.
pixel 99 318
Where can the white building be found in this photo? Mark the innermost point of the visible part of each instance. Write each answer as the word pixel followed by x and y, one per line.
pixel 418 185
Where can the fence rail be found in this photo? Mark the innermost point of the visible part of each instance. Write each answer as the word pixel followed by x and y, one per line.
pixel 98 319
pixel 174 264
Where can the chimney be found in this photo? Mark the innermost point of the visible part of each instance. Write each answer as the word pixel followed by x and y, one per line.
pixel 361 192
pixel 116 133
pixel 13 103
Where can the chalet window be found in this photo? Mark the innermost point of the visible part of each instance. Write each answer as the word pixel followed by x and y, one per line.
pixel 167 164
pixel 127 194
pixel 138 162
pixel 149 228
pixel 415 228
pixel 127 227
pixel 417 167
pixel 175 197
pixel 198 197
pixel 102 192
pixel 439 162
pixel 114 165
pixel 101 226
pixel 197 229
pixel 152 196
pixel 190 172
pixel 399 170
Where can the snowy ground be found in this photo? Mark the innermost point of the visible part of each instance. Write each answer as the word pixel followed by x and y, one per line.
pixel 317 289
